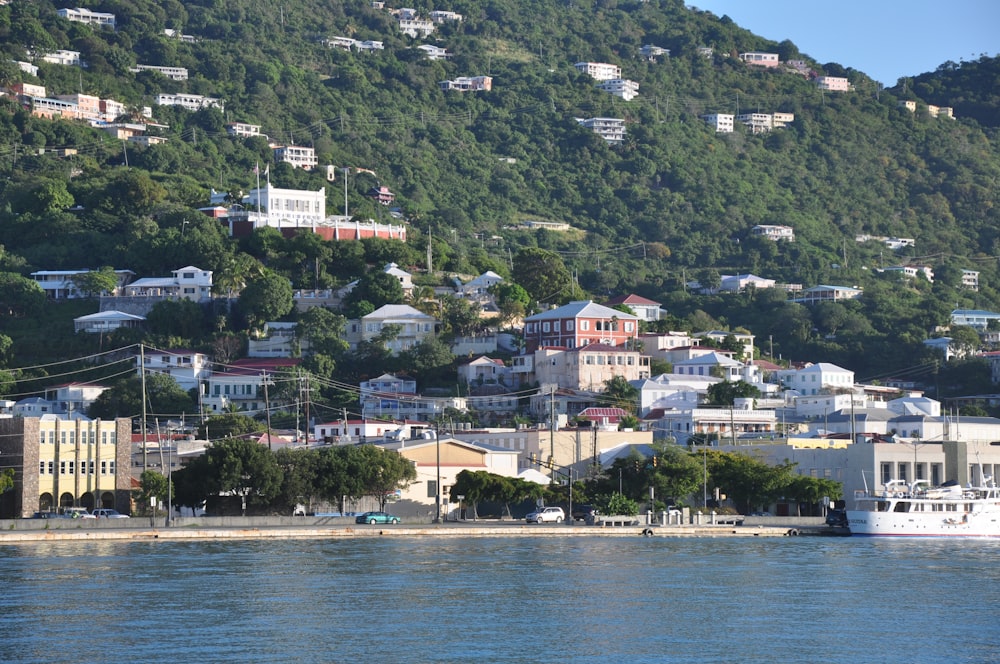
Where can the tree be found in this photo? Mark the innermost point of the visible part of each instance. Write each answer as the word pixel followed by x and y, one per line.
pixel 380 472
pixel 461 316
pixel 20 297
pixel 543 275
pixel 164 397
pixel 95 282
pixel 266 298
pixel 299 473
pixel 512 301
pixel 244 468
pixel 153 485
pixel 6 479
pixel 228 425
pixel 965 339
pixel 181 318
pixel 323 330
pixel 750 483
pixel 377 288
pixel 726 392
pixel 619 393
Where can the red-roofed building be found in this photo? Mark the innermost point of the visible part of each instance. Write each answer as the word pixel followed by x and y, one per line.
pixel 603 416
pixel 647 310
pixel 579 324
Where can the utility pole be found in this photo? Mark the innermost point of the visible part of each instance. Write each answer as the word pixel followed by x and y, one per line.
pixel 267 408
pixel 552 432
pixel 142 379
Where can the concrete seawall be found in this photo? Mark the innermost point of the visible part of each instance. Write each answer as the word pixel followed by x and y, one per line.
pixel 199 530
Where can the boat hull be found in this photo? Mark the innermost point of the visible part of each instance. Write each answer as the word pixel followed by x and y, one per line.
pixel 926 524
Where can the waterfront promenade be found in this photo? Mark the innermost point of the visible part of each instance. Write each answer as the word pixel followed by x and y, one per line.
pixel 138 529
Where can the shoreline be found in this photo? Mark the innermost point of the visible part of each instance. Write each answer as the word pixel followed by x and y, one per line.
pixel 189 533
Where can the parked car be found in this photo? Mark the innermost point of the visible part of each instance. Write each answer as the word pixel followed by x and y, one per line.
pixel 760 514
pixel 108 513
pixel 584 512
pixel 545 515
pixel 48 515
pixel 376 517
pixel 76 513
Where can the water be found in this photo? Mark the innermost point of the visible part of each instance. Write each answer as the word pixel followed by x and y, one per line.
pixel 501 600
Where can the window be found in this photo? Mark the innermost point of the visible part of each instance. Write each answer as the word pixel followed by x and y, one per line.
pixel 41 467
pixel 90 467
pixel 584 325
pixel 545 326
pixel 569 326
pixel 111 467
pixel 629 326
pixel 72 467
pixel 41 435
pixel 104 468
pixel 52 467
pixel 886 472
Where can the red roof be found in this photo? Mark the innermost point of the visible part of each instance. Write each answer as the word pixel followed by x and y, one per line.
pixel 595 413
pixel 630 299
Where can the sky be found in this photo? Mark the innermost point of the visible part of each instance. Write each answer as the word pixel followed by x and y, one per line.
pixel 886 39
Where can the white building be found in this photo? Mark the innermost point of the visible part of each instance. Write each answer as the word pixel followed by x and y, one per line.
pixel 189 101
pixel 189 283
pixel 833 83
pixel 774 232
pixel 416 27
pixel 80 15
pixel 816 378
pixel 63 57
pixel 611 130
pixel 599 71
pixel 271 206
pixel 441 16
pixel 414 326
pixel 188 367
pixel 434 52
pixel 651 52
pixel 976 318
pixel 970 280
pixel 297 156
pixel 468 84
pixel 722 122
pixel 758 59
pixel 59 284
pixel 243 130
pixel 620 87
pixel 173 73
pixel 104 322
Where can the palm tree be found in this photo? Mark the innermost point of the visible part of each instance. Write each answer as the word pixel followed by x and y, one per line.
pixel 233 276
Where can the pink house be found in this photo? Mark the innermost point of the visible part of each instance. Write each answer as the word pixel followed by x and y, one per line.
pixel 579 324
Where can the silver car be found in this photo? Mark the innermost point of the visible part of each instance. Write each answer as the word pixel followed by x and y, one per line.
pixel 546 515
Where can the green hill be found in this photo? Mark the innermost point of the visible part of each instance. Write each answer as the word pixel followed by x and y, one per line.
pixel 675 201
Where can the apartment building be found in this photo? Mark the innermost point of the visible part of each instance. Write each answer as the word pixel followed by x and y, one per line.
pixel 79 15
pixel 599 71
pixel 611 130
pixel 833 83
pixel 297 156
pixel 173 73
pixel 722 122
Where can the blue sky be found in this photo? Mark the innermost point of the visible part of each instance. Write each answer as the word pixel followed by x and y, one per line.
pixel 886 39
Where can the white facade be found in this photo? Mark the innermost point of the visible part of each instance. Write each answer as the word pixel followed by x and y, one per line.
pixel 189 283
pixel 189 368
pixel 976 318
pixel 722 122
pixel 833 84
pixel 243 129
pixel 759 59
pixel 774 232
pixel 816 378
pixel 599 71
pixel 63 57
pixel 434 52
pixel 297 156
pixel 611 130
pixel 189 101
pixel 970 279
pixel 59 285
pixel 80 15
pixel 173 73
pixel 416 27
pixel 414 326
pixel 620 87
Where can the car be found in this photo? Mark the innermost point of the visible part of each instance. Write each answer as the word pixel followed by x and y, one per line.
pixel 760 514
pixel 76 513
pixel 545 515
pixel 108 513
pixel 48 515
pixel 376 517
pixel 584 512
pixel 837 518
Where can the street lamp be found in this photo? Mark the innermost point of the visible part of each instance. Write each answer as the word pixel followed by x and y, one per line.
pixel 460 499
pixel 170 485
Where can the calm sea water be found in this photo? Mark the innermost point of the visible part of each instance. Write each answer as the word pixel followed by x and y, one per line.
pixel 802 599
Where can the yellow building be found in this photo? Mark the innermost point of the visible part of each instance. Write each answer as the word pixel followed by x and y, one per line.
pixel 63 462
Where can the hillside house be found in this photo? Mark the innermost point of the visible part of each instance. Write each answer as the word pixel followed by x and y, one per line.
pixel 243 130
pixel 469 84
pixel 970 280
pixel 577 324
pixel 723 123
pixel 432 52
pixel 104 322
pixel 759 59
pixel 296 155
pixel 173 73
pixel 240 385
pixel 825 293
pixel 816 378
pixel 414 327
pixel 833 84
pixel 599 71
pixel 189 101
pixel 644 308
pixel 187 367
pixel 59 284
pixel 81 15
pixel 611 130
pixel 588 367
pixel 774 232
pixel 620 87
pixel 189 283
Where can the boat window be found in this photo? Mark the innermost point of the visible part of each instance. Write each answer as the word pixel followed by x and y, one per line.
pixel 882 506
pixel 902 506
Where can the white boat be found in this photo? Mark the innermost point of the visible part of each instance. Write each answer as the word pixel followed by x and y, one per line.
pixel 921 510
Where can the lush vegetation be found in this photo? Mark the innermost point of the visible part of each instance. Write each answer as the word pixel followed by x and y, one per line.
pixel 675 202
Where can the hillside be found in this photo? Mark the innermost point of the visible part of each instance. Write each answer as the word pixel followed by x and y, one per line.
pixel 674 202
